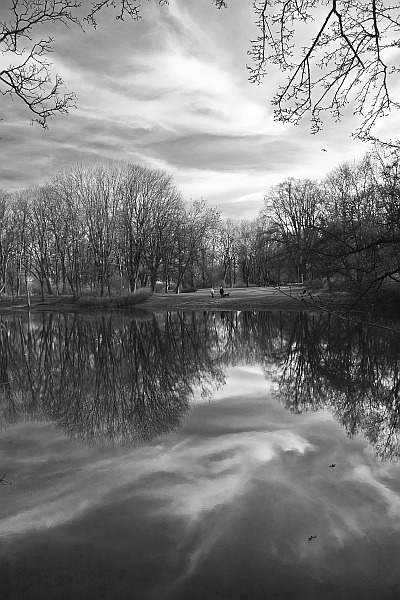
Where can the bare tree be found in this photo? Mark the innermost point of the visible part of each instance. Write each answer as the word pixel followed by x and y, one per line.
pixel 296 208
pixel 26 40
pixel 68 229
pixel 99 194
pixel 150 204
pixel 247 246
pixel 360 227
pixel 28 76
pixel 336 53
pixel 7 238
pixel 193 230
pixel 42 242
pixel 20 259
pixel 166 207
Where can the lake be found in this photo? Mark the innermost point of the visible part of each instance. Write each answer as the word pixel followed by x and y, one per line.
pixel 198 455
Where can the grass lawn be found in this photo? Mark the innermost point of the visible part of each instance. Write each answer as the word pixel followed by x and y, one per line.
pixel 252 298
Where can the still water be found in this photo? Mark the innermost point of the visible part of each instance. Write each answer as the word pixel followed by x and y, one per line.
pixel 198 456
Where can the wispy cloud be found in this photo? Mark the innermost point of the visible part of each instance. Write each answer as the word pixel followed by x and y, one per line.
pixel 170 91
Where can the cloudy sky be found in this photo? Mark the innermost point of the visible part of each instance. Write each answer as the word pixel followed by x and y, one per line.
pixel 171 91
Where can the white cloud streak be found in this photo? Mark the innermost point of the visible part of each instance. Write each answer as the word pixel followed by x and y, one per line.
pixel 171 91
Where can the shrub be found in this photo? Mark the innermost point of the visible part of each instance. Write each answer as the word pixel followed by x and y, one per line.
pixel 188 290
pixel 160 287
pixel 137 297
pixel 125 301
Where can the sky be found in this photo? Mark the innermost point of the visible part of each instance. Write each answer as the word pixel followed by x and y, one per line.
pixel 171 92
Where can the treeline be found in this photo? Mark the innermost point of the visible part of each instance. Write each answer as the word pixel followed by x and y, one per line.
pixel 104 226
pixel 344 230
pixel 119 226
pixel 117 380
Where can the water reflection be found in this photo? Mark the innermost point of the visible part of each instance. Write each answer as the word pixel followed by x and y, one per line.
pixel 119 380
pixel 100 379
pixel 351 369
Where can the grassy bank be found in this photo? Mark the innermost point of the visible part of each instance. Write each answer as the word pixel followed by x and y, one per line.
pixel 244 299
pixel 88 301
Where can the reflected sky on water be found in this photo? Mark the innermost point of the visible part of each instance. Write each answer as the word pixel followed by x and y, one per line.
pixel 223 504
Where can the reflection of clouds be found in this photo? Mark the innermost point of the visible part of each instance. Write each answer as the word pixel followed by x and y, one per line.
pixel 391 498
pixel 243 485
pixel 217 471
pixel 241 382
pixel 212 467
pixel 211 473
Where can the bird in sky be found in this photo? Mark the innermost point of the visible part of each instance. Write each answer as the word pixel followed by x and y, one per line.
pixel 324 150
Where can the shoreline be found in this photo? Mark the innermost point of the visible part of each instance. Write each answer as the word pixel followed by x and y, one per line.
pixel 287 298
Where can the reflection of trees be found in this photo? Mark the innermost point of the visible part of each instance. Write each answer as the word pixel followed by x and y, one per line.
pixel 351 369
pixel 103 380
pixel 126 380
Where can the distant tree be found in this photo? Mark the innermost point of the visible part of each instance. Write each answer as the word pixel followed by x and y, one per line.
pixel 99 195
pixel 360 232
pixel 150 206
pixel 247 235
pixel 345 229
pixel 7 238
pixel 198 223
pixel 20 259
pixel 69 231
pixel 207 257
pixel 263 251
pixel 229 250
pixel 137 200
pixel 166 210
pixel 296 209
pixel 41 240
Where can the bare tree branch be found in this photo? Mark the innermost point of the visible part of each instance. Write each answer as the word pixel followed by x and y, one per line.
pixel 29 76
pixel 347 62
